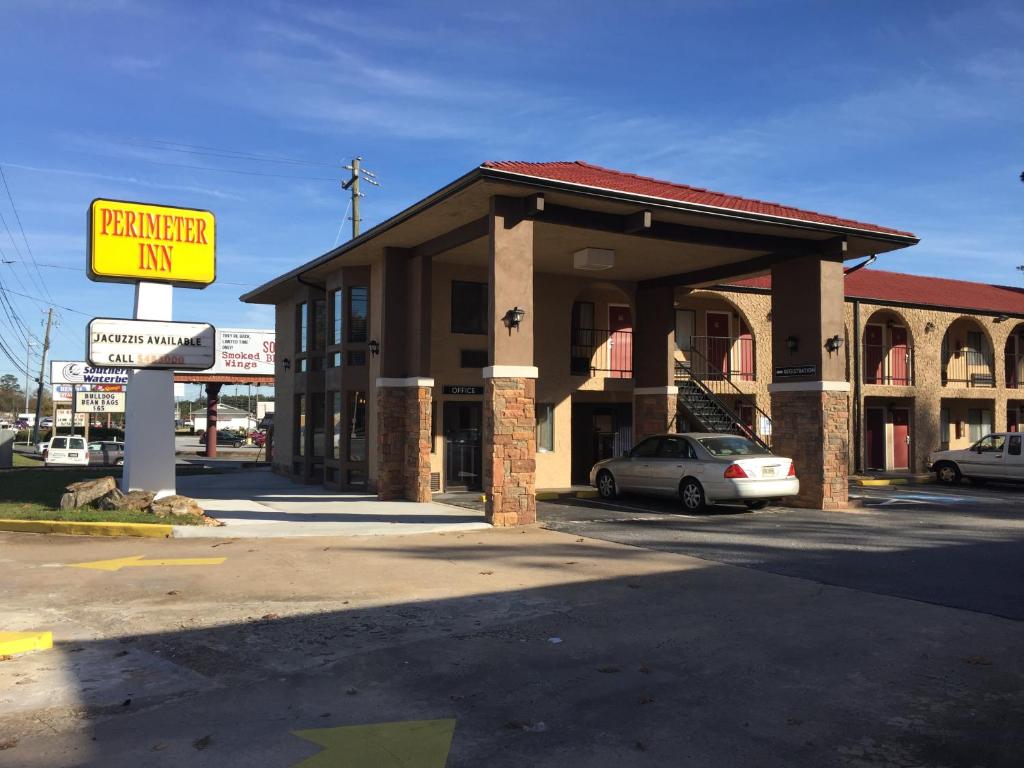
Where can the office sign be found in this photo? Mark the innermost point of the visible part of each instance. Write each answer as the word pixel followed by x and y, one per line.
pixel 461 389
pixel 151 344
pixel 245 350
pixel 80 372
pixel 63 418
pixel 782 372
pixel 99 402
pixel 132 242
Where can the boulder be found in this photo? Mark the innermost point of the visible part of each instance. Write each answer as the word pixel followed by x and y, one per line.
pixel 175 506
pixel 83 493
pixel 111 500
pixel 137 501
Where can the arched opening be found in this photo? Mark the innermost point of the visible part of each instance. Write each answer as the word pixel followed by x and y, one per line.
pixel 601 344
pixel 967 359
pixel 1014 355
pixel 714 339
pixel 888 350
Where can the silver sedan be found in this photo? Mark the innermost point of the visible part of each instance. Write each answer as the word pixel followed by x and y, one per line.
pixel 699 468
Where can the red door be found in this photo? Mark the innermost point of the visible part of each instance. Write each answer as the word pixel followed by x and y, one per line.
pixel 746 342
pixel 718 343
pixel 873 354
pixel 900 438
pixel 874 438
pixel 899 356
pixel 620 342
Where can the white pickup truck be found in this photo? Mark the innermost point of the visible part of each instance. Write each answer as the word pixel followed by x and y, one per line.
pixel 999 456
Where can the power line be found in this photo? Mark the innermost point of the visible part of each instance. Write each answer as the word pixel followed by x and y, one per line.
pixel 10 196
pixel 194 149
pixel 36 298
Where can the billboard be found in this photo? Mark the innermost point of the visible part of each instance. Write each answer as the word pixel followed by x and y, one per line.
pixel 62 393
pixel 245 351
pixel 79 372
pixel 151 344
pixel 99 402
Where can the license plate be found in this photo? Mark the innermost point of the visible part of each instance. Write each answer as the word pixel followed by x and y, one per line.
pixel 767 471
pixel 72 455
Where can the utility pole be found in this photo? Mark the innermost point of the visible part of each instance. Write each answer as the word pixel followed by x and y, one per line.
pixel 352 185
pixel 28 362
pixel 42 378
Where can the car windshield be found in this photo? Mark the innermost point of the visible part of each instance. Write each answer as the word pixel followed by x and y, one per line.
pixel 731 445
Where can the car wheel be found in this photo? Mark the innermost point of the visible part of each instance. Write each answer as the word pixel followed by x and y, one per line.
pixel 236 444
pixel 947 473
pixel 606 485
pixel 757 504
pixel 691 494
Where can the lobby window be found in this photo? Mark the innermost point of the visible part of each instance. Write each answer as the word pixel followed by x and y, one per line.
pixel 469 307
pixel 356 425
pixel 334 399
pixel 545 427
pixel 336 316
pixel 302 328
pixel 316 418
pixel 319 324
pixel 358 313
pixel 686 328
pixel 300 425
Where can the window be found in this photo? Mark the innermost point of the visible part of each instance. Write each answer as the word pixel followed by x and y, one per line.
pixel 646 449
pixel 1014 448
pixel 979 423
pixel 975 341
pixel 336 359
pixel 731 446
pixel 300 425
pixel 357 357
pixel 685 328
pixel 676 448
pixel 469 307
pixel 336 316
pixel 302 327
pixel 316 417
pixel 319 324
pixel 358 313
pixel 473 358
pixel 357 425
pixel 545 427
pixel 334 399
pixel 990 444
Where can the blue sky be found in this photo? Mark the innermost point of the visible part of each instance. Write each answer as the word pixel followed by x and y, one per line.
pixel 905 114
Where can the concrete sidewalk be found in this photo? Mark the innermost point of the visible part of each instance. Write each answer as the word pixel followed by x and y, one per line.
pixel 256 503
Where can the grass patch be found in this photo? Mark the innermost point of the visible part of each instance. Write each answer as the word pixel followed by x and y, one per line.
pixel 21 461
pixel 34 494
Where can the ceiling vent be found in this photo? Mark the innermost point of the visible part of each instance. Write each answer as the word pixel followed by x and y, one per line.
pixel 593 259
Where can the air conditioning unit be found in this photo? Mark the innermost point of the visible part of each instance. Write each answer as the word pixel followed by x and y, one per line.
pixel 593 259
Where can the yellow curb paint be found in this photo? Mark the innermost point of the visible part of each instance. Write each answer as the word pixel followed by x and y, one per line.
pixel 872 483
pixel 546 495
pixel 587 494
pixel 136 561
pixel 157 531
pixel 12 643
pixel 415 743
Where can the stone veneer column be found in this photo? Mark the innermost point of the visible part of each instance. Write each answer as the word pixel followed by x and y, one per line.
pixel 510 445
pixel 654 411
pixel 403 439
pixel 655 394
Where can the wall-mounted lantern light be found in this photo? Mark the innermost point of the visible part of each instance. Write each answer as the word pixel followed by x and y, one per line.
pixel 792 343
pixel 833 344
pixel 513 318
pixel 929 327
pixel 374 347
pixel 1002 318
pixel 286 364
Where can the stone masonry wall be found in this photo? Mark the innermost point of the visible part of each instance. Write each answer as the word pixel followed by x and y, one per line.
pixel 814 429
pixel 653 414
pixel 417 443
pixel 403 443
pixel 509 451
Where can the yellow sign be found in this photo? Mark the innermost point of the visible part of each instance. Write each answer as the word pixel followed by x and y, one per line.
pixel 132 242
pixel 136 561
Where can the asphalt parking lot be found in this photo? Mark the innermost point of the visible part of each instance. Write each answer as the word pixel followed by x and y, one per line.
pixel 961 546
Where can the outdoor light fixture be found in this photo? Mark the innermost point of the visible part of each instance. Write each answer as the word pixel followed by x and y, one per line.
pixel 286 364
pixel 833 344
pixel 1002 318
pixel 374 347
pixel 929 327
pixel 513 318
pixel 792 342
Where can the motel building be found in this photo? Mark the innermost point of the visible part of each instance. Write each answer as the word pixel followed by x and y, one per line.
pixel 529 319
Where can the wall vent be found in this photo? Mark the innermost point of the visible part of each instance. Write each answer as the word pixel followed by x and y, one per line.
pixel 435 482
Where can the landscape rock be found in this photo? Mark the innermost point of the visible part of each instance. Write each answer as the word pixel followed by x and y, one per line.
pixel 136 501
pixel 175 506
pixel 85 492
pixel 111 500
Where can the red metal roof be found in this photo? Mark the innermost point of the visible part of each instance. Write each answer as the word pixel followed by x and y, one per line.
pixel 898 287
pixel 587 175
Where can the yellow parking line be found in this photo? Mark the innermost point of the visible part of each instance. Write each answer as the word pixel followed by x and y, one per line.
pixel 12 643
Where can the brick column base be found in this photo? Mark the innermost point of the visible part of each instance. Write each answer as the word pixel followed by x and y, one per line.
pixel 653 414
pixel 403 443
pixel 813 428
pixel 509 451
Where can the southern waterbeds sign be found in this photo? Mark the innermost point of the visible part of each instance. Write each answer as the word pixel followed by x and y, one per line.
pixel 151 344
pixel 132 242
pixel 79 372
pixel 99 402
pixel 244 351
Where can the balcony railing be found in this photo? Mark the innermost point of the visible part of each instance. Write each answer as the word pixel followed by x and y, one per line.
pixel 891 365
pixel 599 352
pixel 1014 371
pixel 968 368
pixel 720 357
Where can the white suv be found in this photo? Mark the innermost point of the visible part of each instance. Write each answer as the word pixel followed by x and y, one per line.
pixel 67 451
pixel 999 456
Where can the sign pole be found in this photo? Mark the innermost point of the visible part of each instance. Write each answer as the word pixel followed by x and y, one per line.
pixel 149 423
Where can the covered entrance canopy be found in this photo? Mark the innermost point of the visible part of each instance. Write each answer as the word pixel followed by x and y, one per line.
pixel 214 382
pixel 526 222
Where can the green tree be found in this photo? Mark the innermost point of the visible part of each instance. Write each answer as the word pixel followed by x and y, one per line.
pixel 11 395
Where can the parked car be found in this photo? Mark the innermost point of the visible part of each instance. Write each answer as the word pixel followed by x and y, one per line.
pixel 106 453
pixel 224 437
pixel 67 450
pixel 41 446
pixel 46 422
pixel 699 468
pixel 998 456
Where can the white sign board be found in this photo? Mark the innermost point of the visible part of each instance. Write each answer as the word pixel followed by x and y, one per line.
pixel 99 402
pixel 78 372
pixel 151 344
pixel 245 351
pixel 64 418
pixel 62 393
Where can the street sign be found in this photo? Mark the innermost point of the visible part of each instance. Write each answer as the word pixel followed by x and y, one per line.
pixel 151 344
pixel 99 402
pixel 132 242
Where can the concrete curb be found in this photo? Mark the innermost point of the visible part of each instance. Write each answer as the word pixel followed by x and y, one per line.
pixel 75 528
pixel 874 482
pixel 12 643
pixel 557 495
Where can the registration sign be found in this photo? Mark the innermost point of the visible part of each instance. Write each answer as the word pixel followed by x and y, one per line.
pixel 151 344
pixel 99 402
pixel 133 242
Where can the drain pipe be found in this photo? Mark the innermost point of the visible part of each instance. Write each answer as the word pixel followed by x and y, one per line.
pixel 857 459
